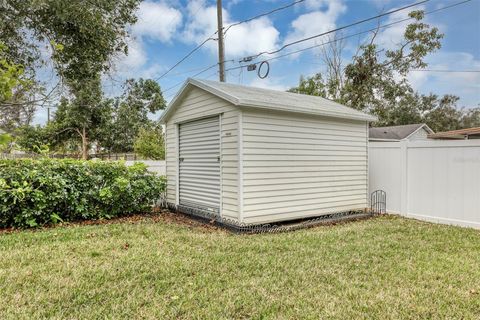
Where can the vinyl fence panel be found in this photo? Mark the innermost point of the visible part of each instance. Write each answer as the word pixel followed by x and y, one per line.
pixel 157 166
pixel 436 181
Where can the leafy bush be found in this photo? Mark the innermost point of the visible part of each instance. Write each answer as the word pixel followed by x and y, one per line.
pixel 150 144
pixel 48 191
pixel 5 141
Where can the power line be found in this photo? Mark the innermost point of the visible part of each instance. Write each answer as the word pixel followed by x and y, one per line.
pixel 226 29
pixel 453 71
pixel 195 75
pixel 184 58
pixel 332 31
pixel 263 14
pixel 385 26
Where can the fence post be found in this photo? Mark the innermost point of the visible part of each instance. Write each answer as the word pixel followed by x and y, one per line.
pixel 404 177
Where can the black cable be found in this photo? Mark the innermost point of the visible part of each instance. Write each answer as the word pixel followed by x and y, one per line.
pixel 195 75
pixel 263 14
pixel 184 58
pixel 453 71
pixel 334 30
pixel 226 29
pixel 385 26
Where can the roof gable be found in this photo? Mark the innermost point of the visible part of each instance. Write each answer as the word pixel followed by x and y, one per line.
pixel 243 96
pixel 397 132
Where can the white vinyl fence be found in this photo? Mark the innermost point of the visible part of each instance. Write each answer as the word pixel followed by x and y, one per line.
pixel 157 166
pixel 436 181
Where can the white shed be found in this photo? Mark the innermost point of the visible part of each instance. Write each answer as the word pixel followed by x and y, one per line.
pixel 256 156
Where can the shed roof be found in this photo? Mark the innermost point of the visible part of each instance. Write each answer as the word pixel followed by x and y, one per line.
pixel 397 132
pixel 457 134
pixel 243 96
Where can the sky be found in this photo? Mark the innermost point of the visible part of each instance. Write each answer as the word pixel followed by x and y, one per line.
pixel 167 30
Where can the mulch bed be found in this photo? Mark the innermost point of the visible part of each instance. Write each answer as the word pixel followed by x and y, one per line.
pixel 157 215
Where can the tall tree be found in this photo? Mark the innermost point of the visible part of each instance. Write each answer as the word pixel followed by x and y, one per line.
pixel 131 111
pixel 375 80
pixel 371 79
pixel 79 37
pixel 82 35
pixel 82 117
pixel 15 110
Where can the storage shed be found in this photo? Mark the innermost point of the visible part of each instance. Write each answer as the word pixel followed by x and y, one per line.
pixel 257 156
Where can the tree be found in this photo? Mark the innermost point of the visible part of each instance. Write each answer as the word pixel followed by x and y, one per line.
pixel 33 138
pixel 15 111
pixel 150 143
pixel 130 113
pixel 79 37
pixel 313 86
pixel 82 36
pixel 375 81
pixel 444 116
pixel 5 142
pixel 471 118
pixel 82 117
pixel 371 82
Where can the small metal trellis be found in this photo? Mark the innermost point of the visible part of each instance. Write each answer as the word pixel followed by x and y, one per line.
pixel 378 201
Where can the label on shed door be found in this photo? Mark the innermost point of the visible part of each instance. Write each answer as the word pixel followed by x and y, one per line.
pixel 199 165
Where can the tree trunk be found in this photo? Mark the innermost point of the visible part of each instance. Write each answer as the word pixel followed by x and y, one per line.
pixel 84 145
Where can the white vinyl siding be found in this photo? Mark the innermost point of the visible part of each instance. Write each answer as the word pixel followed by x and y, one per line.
pixel 297 166
pixel 198 104
pixel 420 135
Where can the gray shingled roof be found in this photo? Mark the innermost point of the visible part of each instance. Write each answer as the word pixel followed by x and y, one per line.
pixel 395 132
pixel 271 99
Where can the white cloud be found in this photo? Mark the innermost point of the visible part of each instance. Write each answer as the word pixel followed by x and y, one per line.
pixel 381 3
pixel 244 39
pixel 323 19
pixel 135 58
pixel 465 85
pixel 252 37
pixel 157 20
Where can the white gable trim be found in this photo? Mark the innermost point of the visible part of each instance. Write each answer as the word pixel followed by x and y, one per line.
pixel 189 84
pixel 424 126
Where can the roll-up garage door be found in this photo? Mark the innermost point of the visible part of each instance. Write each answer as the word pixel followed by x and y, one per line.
pixel 199 156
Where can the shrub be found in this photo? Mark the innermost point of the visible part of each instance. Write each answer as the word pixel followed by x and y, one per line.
pixel 48 191
pixel 150 144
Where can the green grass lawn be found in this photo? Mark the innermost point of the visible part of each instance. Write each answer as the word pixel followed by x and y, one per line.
pixel 383 268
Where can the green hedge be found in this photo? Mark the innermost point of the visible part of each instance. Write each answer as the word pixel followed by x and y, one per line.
pixel 48 191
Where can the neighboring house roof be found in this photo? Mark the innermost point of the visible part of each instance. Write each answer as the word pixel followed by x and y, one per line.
pixel 397 133
pixel 243 96
pixel 457 134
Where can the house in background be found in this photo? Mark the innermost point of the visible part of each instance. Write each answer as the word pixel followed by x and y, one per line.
pixel 409 132
pixel 462 134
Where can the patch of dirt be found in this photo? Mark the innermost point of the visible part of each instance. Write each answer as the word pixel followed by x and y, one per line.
pixel 156 216
pixel 189 221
